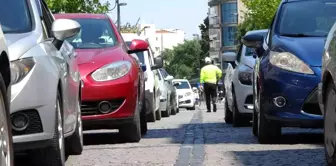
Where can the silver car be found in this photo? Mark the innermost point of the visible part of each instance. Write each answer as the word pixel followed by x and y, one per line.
pixel 45 94
pixel 168 104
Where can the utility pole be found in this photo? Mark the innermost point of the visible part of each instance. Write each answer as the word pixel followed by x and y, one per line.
pixel 118 4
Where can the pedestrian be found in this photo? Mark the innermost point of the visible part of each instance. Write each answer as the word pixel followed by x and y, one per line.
pixel 210 74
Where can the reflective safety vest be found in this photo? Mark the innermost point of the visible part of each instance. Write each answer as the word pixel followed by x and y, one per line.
pixel 210 74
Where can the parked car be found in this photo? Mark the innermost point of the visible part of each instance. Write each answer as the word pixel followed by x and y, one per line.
pixel 45 93
pixel 168 104
pixel 113 93
pixel 152 91
pixel 185 94
pixel 327 96
pixel 288 67
pixel 6 138
pixel 238 84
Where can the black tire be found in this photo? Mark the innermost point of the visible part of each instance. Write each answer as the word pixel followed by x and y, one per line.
pixel 193 108
pixel 132 132
pixel 53 155
pixel 74 143
pixel 177 110
pixel 7 122
pixel 255 123
pixel 268 131
pixel 165 113
pixel 158 115
pixel 237 119
pixel 228 117
pixel 174 108
pixel 151 117
pixel 329 127
pixel 143 118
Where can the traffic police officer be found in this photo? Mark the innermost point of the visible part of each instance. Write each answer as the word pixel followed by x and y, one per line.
pixel 210 75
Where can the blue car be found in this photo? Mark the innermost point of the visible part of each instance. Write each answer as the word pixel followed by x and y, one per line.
pixel 288 67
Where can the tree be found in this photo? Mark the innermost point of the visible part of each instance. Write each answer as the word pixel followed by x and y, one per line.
pixel 259 15
pixel 128 28
pixel 78 6
pixel 205 42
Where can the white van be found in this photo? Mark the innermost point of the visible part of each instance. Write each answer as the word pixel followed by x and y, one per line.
pixel 152 83
pixel 185 94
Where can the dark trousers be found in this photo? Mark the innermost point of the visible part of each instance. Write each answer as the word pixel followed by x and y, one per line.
pixel 210 91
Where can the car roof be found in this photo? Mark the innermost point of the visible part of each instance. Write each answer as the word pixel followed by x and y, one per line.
pixel 80 15
pixel 180 80
pixel 257 31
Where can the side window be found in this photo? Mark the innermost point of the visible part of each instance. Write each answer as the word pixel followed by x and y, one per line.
pixel 239 53
pixel 150 58
pixel 47 18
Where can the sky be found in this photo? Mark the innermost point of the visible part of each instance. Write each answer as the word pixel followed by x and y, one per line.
pixel 175 14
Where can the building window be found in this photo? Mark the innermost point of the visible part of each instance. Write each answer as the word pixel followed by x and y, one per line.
pixel 229 13
pixel 229 36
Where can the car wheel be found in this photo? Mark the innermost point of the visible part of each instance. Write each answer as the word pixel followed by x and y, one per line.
pixel 166 113
pixel 268 132
pixel 193 108
pixel 255 123
pixel 329 124
pixel 75 141
pixel 143 118
pixel 158 115
pixel 5 128
pixel 132 132
pixel 237 119
pixel 151 117
pixel 227 113
pixel 173 108
pixel 55 154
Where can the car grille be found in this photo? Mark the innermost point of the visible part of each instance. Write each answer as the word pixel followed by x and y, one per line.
pixel 91 107
pixel 35 124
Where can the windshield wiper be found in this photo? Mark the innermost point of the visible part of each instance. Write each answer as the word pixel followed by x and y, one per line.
pixel 299 35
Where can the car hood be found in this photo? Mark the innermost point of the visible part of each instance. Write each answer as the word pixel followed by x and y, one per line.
pixel 18 44
pixel 308 49
pixel 89 60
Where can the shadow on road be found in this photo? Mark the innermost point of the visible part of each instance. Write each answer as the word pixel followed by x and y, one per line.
pixel 102 138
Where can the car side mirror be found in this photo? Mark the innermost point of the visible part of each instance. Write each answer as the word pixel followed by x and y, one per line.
pixel 252 40
pixel 143 67
pixel 65 28
pixel 158 63
pixel 138 45
pixel 169 78
pixel 229 57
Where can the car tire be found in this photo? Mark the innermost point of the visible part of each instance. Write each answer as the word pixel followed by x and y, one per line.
pixel 255 123
pixel 268 131
pixel 143 118
pixel 132 132
pixel 237 119
pixel 53 155
pixel 228 117
pixel 193 108
pixel 165 113
pixel 174 108
pixel 7 132
pixel 74 143
pixel 177 110
pixel 329 127
pixel 151 117
pixel 158 115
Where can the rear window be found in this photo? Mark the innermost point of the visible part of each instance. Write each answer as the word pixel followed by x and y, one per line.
pixel 183 85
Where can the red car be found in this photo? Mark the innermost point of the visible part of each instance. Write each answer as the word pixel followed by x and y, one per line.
pixel 113 79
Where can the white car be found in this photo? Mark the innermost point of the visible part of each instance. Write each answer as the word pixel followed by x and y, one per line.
pixel 185 94
pixel 238 84
pixel 6 138
pixel 152 93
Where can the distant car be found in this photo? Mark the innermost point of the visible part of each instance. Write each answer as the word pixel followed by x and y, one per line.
pixel 45 91
pixel 152 93
pixel 327 96
pixel 168 104
pixel 238 84
pixel 288 68
pixel 185 94
pixel 6 138
pixel 114 85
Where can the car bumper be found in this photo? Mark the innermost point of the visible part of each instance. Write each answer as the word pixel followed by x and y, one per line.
pixel 35 96
pixel 120 93
pixel 244 98
pixel 187 102
pixel 163 104
pixel 301 108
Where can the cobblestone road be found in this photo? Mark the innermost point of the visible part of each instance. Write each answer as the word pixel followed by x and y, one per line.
pixel 199 138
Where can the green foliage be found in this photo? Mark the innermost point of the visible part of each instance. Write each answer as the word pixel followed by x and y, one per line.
pixel 205 42
pixel 128 28
pixel 259 15
pixel 182 61
pixel 78 6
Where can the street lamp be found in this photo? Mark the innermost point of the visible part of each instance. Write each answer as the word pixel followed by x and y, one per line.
pixel 143 29
pixel 118 12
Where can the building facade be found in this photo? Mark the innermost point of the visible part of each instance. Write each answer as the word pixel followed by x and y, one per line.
pixel 224 17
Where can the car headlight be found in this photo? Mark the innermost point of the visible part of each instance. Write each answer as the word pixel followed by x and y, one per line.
pixel 20 68
pixel 245 77
pixel 290 62
pixel 112 71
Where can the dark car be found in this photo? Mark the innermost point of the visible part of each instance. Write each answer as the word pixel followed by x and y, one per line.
pixel 288 67
pixel 327 96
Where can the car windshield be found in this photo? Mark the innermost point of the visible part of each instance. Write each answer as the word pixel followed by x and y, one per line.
pixel 183 85
pixel 15 16
pixel 140 55
pixel 94 34
pixel 307 18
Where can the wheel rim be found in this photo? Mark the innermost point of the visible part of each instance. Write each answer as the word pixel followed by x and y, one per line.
pixel 329 124
pixel 60 132
pixel 80 124
pixel 4 136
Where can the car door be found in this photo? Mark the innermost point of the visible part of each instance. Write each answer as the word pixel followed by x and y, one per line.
pixel 231 71
pixel 68 72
